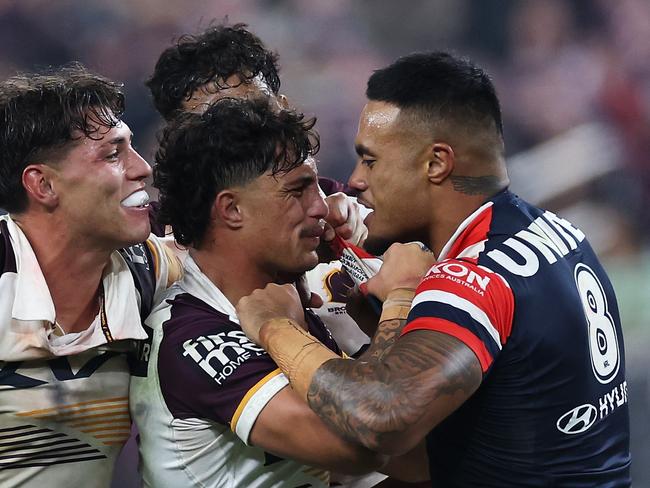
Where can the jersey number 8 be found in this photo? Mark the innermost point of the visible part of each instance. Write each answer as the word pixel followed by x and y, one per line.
pixel 603 340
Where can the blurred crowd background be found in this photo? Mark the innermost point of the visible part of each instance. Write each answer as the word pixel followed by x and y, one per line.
pixel 573 77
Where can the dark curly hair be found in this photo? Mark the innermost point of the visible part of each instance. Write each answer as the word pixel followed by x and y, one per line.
pixel 231 144
pixel 214 55
pixel 39 115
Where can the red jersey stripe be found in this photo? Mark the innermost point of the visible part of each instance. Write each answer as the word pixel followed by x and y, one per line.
pixel 462 334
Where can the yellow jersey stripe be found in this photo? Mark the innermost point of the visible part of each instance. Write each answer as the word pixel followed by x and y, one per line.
pixel 90 423
pixel 156 258
pixel 32 413
pixel 77 413
pixel 119 435
pixel 107 427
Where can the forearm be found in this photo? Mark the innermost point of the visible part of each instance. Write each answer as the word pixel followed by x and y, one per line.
pixel 412 467
pixel 386 404
pixel 393 318
pixel 357 398
pixel 299 354
pixel 390 405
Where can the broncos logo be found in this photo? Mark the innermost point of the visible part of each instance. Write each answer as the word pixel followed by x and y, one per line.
pixel 337 284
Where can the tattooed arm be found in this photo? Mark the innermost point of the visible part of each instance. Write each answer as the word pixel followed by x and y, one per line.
pixel 397 392
pixel 388 401
pixel 391 404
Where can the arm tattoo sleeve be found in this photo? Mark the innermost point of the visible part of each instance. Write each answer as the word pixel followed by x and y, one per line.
pixel 383 340
pixel 424 377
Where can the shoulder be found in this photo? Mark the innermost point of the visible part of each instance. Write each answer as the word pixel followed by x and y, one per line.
pixel 184 316
pixel 194 332
pixel 468 301
pixel 464 278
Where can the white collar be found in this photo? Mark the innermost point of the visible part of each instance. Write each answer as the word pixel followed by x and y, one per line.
pixel 33 301
pixel 199 285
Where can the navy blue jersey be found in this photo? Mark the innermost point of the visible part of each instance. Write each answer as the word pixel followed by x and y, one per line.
pixel 524 290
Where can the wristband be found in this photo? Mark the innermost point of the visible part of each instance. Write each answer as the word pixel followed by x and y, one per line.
pixel 295 351
pixel 397 304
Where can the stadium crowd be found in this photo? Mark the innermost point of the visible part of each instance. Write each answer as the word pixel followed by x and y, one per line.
pixel 572 77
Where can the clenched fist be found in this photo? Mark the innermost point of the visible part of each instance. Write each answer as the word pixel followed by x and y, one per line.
pixel 271 302
pixel 404 266
pixel 344 219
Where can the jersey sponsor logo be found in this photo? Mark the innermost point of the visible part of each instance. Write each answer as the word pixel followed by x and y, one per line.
pixel 578 420
pixel 219 355
pixel 612 400
pixel 461 274
pixel 549 235
pixel 139 356
pixel 583 417
pixel 603 340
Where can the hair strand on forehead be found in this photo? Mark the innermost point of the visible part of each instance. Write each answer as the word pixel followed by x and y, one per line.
pixel 42 112
pixel 234 142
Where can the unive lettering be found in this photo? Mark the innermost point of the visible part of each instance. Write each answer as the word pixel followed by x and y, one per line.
pixel 549 236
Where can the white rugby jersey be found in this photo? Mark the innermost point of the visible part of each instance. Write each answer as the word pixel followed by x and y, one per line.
pixel 204 388
pixel 63 399
pixel 332 283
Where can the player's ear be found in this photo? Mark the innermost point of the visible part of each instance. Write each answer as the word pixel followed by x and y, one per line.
pixel 38 181
pixel 441 162
pixel 226 208
pixel 283 101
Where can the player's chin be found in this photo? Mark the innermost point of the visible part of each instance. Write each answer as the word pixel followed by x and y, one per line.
pixel 377 245
pixel 306 261
pixel 136 231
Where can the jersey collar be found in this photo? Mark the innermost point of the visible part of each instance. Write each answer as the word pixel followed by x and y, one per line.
pixel 469 238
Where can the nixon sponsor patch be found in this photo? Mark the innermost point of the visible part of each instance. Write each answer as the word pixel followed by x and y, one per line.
pixel 461 274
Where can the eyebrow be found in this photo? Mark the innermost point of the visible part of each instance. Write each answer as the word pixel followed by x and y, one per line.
pixel 362 150
pixel 302 180
pixel 119 140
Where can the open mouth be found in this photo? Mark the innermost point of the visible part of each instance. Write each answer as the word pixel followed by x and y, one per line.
pixel 138 199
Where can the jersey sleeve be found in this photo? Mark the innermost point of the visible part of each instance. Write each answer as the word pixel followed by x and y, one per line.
pixel 208 368
pixel 167 265
pixel 468 302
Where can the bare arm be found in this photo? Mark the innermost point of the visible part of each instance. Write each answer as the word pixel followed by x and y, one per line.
pixel 391 404
pixel 398 391
pixel 288 428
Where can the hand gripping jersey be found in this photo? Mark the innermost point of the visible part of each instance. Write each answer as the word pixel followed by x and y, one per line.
pixel 205 386
pixel 523 289
pixel 63 399
pixel 332 281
